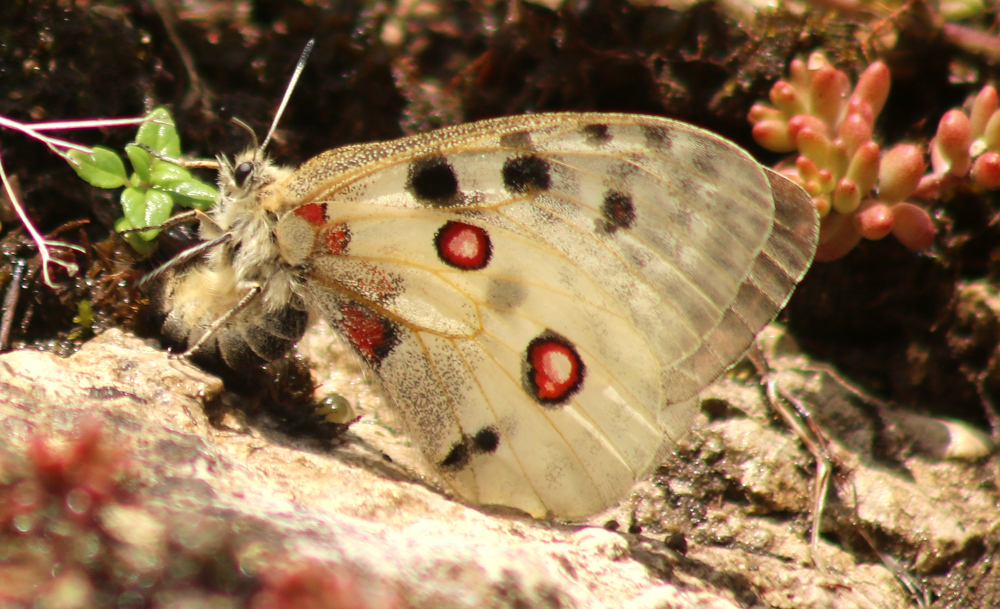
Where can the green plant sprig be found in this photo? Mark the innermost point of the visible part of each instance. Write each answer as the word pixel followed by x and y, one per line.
pixel 154 186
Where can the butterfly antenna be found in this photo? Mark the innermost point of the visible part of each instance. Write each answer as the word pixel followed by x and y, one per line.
pixel 248 129
pixel 288 90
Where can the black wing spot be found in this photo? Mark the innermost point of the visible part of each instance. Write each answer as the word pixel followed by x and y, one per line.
pixel 457 458
pixel 524 174
pixel 433 180
pixel 617 211
pixel 486 440
pixel 596 135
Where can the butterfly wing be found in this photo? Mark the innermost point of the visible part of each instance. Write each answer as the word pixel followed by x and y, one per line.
pixel 542 296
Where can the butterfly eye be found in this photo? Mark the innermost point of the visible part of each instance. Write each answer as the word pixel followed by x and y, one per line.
pixel 242 173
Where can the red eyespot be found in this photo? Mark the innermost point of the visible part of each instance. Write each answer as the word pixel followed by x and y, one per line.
pixel 463 246
pixel 555 371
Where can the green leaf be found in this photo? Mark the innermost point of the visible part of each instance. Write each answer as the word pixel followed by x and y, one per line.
pixel 190 193
pixel 133 202
pixel 163 172
pixel 186 189
pixel 158 208
pixel 160 134
pixel 103 168
pixel 147 208
pixel 140 159
pixel 133 239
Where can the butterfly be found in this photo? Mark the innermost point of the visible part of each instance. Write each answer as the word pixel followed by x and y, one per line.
pixel 540 297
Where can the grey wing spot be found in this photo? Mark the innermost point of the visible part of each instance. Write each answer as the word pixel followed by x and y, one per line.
pixel 657 138
pixel 505 295
pixel 596 134
pixel 518 140
pixel 706 162
pixel 617 211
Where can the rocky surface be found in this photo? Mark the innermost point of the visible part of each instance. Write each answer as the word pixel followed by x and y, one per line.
pixel 737 493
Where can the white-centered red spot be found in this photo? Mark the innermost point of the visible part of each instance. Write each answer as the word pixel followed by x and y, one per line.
pixel 313 213
pixel 463 246
pixel 555 370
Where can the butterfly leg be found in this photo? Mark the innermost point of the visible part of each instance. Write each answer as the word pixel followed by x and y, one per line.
pixel 817 444
pixel 244 302
pixel 798 418
pixel 181 218
pixel 183 257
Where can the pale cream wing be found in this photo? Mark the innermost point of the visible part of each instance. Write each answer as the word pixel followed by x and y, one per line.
pixel 542 295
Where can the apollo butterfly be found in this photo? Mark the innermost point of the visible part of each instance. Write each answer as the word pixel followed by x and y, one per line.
pixel 540 297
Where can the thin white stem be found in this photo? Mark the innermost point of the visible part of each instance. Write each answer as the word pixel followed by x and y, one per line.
pixel 97 123
pixel 30 132
pixel 40 241
pixel 34 130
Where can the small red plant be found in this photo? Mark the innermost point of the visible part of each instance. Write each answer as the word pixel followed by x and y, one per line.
pixel 858 189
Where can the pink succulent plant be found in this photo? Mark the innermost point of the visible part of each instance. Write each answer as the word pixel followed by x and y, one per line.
pixel 966 147
pixel 859 190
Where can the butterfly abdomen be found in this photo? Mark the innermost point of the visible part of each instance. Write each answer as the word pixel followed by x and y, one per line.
pixel 190 302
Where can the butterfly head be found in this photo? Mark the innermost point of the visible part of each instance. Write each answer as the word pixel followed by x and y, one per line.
pixel 243 175
pixel 241 180
pixel 244 181
pixel 252 170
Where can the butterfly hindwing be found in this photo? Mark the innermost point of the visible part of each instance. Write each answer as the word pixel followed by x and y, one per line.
pixel 460 379
pixel 542 296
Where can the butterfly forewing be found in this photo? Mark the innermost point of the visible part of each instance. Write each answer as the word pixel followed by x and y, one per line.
pixel 540 296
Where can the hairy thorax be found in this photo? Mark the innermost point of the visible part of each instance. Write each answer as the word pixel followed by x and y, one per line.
pixel 194 298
